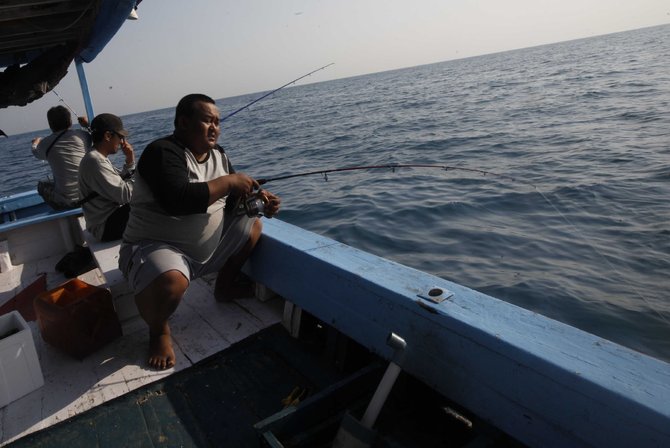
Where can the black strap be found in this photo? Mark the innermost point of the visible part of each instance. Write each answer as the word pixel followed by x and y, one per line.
pixel 53 142
pixel 80 202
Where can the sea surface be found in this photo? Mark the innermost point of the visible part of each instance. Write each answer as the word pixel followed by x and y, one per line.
pixel 559 196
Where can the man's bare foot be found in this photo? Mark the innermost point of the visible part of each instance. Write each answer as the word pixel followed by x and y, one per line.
pixel 161 353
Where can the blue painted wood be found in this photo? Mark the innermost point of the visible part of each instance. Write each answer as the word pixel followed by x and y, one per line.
pixel 83 84
pixel 20 201
pixel 543 382
pixel 28 208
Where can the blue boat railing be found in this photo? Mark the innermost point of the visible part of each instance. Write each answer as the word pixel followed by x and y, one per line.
pixel 28 208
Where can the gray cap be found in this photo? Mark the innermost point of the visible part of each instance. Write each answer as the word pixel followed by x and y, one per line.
pixel 108 122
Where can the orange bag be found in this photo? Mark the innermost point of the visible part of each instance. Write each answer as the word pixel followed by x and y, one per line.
pixel 77 318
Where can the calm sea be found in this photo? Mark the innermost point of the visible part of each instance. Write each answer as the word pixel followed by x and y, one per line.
pixel 575 224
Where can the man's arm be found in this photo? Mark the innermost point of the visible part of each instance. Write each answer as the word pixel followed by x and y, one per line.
pixel 238 183
pixel 35 148
pixel 128 167
pixel 163 168
pixel 105 180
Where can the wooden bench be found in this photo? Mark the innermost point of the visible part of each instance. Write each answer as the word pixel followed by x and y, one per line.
pixel 106 256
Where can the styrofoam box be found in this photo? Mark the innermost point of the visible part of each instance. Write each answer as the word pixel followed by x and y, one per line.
pixel 20 371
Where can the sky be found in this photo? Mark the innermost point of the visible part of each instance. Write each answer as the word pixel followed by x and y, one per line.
pixel 225 48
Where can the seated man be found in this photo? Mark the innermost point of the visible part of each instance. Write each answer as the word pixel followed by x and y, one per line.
pixel 177 230
pixel 106 191
pixel 63 149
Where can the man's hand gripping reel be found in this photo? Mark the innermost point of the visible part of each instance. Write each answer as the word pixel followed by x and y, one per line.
pixel 254 204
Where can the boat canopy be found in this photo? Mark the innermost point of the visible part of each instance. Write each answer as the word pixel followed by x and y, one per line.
pixel 39 39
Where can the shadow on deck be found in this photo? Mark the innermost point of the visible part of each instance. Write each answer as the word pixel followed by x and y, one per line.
pixel 218 401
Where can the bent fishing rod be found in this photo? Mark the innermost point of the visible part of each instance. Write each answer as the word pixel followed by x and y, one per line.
pixel 391 166
pixel 66 104
pixel 275 90
pixel 71 109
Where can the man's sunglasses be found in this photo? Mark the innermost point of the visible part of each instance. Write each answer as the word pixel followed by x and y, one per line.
pixel 122 137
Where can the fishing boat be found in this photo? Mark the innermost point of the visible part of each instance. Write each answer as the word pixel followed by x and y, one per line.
pixel 340 348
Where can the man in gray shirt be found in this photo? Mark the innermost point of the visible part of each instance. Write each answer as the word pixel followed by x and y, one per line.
pixel 63 149
pixel 107 190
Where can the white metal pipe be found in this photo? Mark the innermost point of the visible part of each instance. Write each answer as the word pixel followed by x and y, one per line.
pixel 381 394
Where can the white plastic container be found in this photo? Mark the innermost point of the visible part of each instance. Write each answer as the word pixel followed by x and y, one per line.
pixel 20 371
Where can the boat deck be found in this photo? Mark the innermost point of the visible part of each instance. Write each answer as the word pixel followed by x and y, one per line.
pixel 191 408
pixel 241 379
pixel 268 390
pixel 201 327
pixel 528 375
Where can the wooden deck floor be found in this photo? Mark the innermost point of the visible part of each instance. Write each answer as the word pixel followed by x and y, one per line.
pixel 215 403
pixel 201 327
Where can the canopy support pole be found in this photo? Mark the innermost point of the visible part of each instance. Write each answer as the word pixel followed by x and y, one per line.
pixel 84 89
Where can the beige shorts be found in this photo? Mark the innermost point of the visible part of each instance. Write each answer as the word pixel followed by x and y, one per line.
pixel 142 262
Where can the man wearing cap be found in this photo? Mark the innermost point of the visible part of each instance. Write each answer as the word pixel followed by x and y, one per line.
pixel 106 191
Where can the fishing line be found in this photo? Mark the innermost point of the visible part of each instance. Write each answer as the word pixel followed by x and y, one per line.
pixel 604 258
pixel 393 167
pixel 275 90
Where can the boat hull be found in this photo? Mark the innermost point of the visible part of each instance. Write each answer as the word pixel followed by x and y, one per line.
pixel 541 381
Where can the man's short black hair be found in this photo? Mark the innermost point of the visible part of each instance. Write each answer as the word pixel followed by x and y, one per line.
pixel 186 105
pixel 59 118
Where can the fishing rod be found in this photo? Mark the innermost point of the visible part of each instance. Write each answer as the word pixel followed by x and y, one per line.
pixel 254 204
pixel 71 109
pixel 64 102
pixel 391 166
pixel 275 90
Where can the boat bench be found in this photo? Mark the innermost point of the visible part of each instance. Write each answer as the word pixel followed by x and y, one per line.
pixel 26 209
pixel 106 256
pixel 32 231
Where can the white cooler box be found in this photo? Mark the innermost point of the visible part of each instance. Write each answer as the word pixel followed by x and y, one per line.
pixel 20 371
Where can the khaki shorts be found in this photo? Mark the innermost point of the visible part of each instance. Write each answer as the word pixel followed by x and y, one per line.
pixel 142 262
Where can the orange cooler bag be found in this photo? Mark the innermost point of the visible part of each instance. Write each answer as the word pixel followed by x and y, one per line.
pixel 77 318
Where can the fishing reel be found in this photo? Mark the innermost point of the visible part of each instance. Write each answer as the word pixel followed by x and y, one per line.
pixel 253 205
